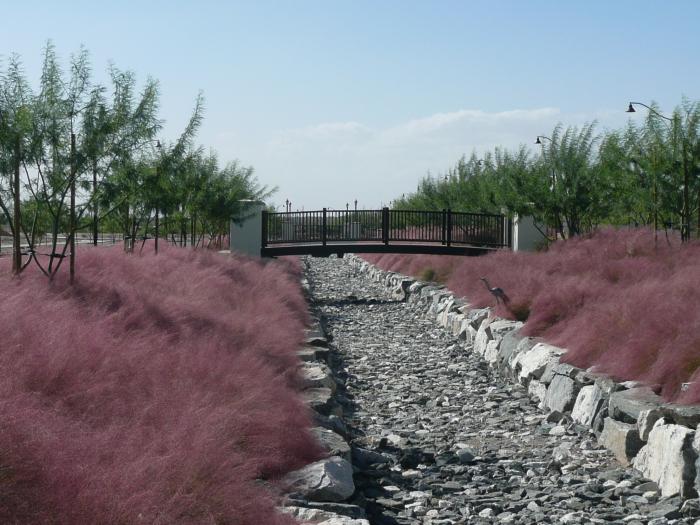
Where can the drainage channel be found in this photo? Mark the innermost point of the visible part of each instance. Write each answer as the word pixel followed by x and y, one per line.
pixel 436 439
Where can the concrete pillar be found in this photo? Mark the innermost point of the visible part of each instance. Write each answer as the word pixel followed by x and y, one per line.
pixel 246 230
pixel 526 236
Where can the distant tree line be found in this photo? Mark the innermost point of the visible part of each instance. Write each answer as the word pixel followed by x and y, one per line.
pixel 645 174
pixel 76 156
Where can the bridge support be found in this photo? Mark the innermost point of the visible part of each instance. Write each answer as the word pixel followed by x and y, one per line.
pixel 526 237
pixel 245 231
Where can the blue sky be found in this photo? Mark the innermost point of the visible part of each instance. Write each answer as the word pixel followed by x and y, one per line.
pixel 336 100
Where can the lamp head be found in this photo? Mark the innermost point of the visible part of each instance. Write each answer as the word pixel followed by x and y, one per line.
pixel 630 109
pixel 538 141
pixel 158 144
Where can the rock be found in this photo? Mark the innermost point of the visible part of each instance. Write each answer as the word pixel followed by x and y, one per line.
pixel 537 391
pixel 531 364
pixel 646 421
pixel 622 439
pixel 509 345
pixel 332 443
pixel 307 354
pixel 364 458
pixel 326 480
pixel 588 403
pixel 318 375
pixel 561 393
pixel 686 415
pixel 627 404
pixel 669 460
pixel 342 520
pixel 483 336
pixel 321 400
pixel 321 516
pixel 466 455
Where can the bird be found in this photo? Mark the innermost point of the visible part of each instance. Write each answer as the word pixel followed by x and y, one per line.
pixel 498 293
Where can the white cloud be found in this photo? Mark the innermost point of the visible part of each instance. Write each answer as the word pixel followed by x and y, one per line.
pixel 332 163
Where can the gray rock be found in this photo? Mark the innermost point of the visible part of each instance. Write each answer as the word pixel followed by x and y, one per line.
pixel 646 421
pixel 537 391
pixel 588 403
pixel 332 443
pixel 627 404
pixel 318 375
pixel 561 393
pixel 668 459
pixel 622 439
pixel 531 364
pixel 326 480
pixel 321 400
pixel 686 415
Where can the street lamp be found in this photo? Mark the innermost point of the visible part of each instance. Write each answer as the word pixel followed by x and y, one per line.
pixel 685 213
pixel 158 180
pixel 538 141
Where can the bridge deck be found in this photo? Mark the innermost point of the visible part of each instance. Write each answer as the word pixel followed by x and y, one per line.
pixel 320 250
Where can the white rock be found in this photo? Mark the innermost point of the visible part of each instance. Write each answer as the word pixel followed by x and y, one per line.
pixel 326 480
pixel 533 362
pixel 667 459
pixel 589 401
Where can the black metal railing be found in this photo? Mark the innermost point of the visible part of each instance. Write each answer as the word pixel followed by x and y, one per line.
pixel 386 226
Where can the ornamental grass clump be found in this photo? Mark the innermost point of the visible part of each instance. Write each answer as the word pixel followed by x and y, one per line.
pixel 157 389
pixel 617 301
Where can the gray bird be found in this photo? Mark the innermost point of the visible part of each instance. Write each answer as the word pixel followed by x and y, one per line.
pixel 498 293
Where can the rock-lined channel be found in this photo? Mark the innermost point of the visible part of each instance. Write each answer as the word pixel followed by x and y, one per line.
pixel 437 440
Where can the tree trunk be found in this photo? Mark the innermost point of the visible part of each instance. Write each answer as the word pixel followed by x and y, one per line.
pixel 94 206
pixel 16 217
pixel 71 232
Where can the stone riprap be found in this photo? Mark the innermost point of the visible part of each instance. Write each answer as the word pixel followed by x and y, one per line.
pixel 442 427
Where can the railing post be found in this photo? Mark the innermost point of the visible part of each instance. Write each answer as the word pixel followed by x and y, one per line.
pixel 443 235
pixel 263 239
pixel 323 228
pixel 510 232
pixel 449 227
pixel 385 225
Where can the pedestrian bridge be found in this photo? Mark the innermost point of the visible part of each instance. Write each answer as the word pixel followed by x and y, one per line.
pixel 324 232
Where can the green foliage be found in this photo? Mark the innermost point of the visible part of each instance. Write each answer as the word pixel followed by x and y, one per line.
pixel 124 178
pixel 580 179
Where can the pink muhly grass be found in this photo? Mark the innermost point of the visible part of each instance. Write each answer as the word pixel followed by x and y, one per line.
pixel 616 302
pixel 157 389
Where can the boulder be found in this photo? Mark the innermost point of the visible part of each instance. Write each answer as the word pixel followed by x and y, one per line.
pixel 321 400
pixel 326 480
pixel 531 364
pixel 668 458
pixel 686 415
pixel 622 439
pixel 510 345
pixel 561 393
pixel 646 421
pixel 588 403
pixel 332 443
pixel 538 391
pixel 627 404
pixel 491 352
pixel 478 316
pixel 318 375
pixel 482 338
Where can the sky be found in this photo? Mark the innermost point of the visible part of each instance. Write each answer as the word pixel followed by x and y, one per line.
pixel 332 101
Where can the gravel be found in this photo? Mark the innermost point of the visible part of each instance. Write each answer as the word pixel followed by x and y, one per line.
pixel 438 439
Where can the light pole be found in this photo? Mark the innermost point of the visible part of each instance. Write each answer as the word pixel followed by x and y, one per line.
pixel 157 190
pixel 685 210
